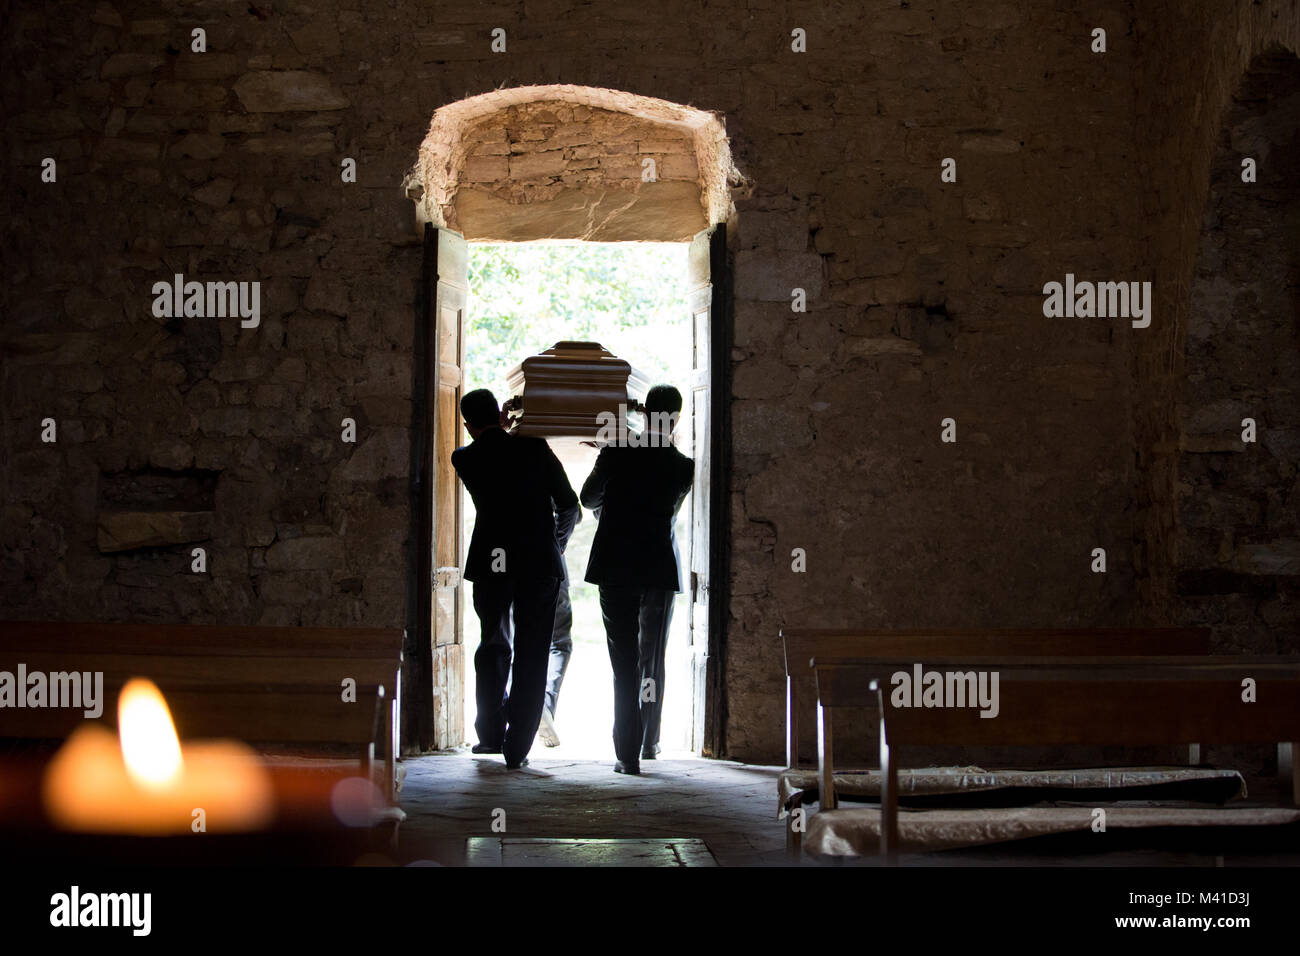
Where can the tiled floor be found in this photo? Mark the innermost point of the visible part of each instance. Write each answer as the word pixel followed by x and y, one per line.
pixel 451 797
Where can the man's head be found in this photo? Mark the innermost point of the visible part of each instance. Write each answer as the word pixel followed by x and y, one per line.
pixel 663 406
pixel 480 410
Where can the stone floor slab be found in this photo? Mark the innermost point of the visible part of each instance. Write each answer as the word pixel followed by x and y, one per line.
pixel 486 851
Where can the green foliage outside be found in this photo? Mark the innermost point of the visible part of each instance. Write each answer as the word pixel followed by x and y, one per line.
pixel 525 297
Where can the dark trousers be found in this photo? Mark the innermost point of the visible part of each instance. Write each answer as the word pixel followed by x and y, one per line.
pixel 510 720
pixel 561 647
pixel 636 629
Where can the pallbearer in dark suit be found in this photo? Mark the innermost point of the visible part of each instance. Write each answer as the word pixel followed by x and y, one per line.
pixel 636 493
pixel 525 511
pixel 561 651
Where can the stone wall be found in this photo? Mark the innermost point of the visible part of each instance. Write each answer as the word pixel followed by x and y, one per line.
pixel 1238 511
pixel 924 298
pixel 1200 55
pixel 1203 510
pixel 569 171
pixel 924 304
pixel 223 165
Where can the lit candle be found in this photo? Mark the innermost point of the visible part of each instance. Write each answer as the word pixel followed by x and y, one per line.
pixel 146 783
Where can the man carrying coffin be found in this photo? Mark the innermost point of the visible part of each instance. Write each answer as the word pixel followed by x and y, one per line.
pixel 636 492
pixel 525 511
pixel 561 651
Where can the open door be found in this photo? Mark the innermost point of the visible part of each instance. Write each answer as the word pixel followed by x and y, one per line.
pixel 434 653
pixel 708 285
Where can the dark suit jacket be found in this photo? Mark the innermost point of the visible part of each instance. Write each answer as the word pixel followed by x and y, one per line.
pixel 636 493
pixel 524 505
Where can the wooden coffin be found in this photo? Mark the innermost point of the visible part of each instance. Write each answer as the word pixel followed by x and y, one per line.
pixel 561 392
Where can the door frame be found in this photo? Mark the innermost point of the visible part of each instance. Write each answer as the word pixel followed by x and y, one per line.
pixel 417 721
pixel 721 336
pixel 421 660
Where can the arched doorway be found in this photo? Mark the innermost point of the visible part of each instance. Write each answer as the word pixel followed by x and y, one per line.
pixel 579 164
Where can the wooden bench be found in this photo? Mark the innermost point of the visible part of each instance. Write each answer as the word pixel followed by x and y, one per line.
pixel 276 686
pixel 803 645
pixel 1087 700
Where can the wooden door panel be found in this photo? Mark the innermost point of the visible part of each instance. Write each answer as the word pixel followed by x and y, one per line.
pixel 447 513
pixel 448 695
pixel 699 301
pixel 447 610
pixel 435 675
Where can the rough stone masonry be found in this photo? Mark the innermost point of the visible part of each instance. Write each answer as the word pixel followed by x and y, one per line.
pixel 923 295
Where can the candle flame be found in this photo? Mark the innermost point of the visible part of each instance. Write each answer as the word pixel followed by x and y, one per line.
pixel 150 748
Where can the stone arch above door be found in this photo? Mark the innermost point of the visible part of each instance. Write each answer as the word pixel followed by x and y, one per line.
pixel 569 162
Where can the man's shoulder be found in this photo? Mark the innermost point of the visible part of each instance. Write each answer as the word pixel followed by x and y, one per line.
pixel 638 456
pixel 620 456
pixel 530 447
pixel 674 455
pixel 685 465
pixel 475 455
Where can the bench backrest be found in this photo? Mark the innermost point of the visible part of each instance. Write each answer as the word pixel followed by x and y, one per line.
pixel 1084 701
pixel 803 645
pixel 257 684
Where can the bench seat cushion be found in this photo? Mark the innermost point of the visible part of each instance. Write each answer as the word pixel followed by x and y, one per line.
pixel 850 832
pixel 975 785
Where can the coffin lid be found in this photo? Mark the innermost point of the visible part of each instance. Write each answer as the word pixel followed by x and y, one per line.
pixel 574 362
pixel 565 390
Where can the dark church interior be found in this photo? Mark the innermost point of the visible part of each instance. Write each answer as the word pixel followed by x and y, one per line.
pixel 902 461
